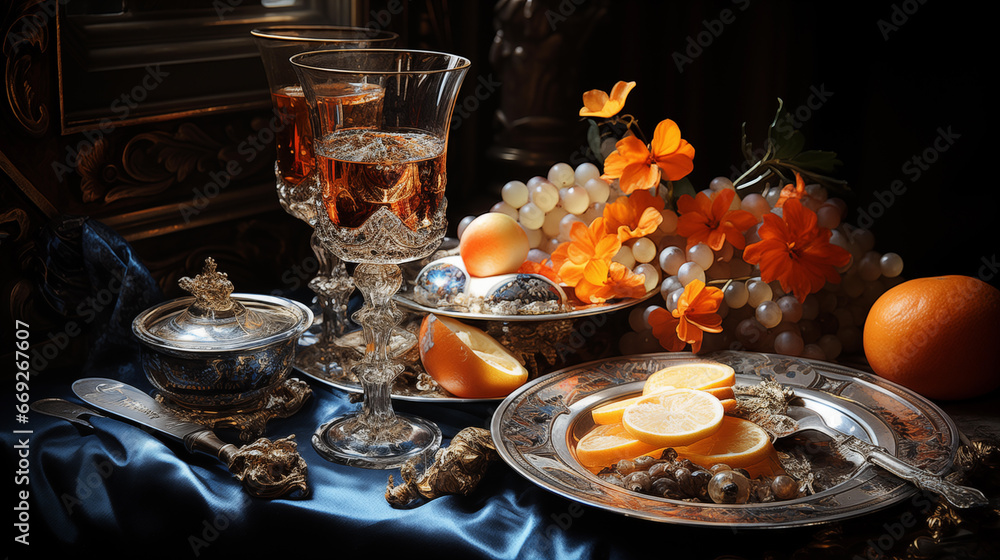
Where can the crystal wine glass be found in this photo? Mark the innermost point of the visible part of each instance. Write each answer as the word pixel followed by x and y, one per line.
pixel 296 174
pixel 380 119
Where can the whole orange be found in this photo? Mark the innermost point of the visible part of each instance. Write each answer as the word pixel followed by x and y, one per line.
pixel 939 336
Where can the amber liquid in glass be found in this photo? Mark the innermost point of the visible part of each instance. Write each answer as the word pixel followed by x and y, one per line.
pixel 365 170
pixel 340 106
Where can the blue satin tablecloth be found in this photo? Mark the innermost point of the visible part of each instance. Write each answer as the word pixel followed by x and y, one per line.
pixel 118 491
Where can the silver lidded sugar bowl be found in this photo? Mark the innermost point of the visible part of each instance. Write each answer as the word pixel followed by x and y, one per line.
pixel 216 351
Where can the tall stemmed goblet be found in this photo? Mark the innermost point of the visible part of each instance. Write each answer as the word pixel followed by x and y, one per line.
pixel 295 169
pixel 380 119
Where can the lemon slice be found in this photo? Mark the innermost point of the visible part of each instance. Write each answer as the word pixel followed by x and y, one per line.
pixel 674 417
pixel 692 375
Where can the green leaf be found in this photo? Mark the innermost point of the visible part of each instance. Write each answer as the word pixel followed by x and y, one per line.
pixel 817 160
pixel 682 187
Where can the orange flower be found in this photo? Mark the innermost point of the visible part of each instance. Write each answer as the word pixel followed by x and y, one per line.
pixel 696 314
pixel 620 283
pixel 542 269
pixel 636 215
pixel 798 191
pixel 795 251
pixel 710 220
pixel 596 103
pixel 587 256
pixel 638 167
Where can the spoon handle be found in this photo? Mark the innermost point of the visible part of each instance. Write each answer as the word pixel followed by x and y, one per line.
pixel 956 495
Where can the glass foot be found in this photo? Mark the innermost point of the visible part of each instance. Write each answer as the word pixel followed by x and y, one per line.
pixel 350 441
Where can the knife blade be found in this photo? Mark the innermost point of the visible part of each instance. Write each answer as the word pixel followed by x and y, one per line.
pixel 267 469
pixel 126 401
pixel 70 411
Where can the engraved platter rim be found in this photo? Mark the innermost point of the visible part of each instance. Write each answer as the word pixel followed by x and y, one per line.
pixel 536 427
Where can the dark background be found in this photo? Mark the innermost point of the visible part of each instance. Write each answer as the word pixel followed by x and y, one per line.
pixel 894 76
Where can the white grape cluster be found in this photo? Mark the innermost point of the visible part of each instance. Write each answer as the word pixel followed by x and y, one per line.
pixel 546 208
pixel 760 316
pixel 757 315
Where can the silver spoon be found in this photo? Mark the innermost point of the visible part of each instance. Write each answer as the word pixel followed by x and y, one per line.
pixel 956 495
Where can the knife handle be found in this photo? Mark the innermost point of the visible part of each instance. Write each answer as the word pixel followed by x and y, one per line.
pixel 207 442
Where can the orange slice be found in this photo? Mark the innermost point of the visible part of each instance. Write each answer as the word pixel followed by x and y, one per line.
pixel 466 361
pixel 607 444
pixel 692 375
pixel 738 443
pixel 674 417
pixel 611 413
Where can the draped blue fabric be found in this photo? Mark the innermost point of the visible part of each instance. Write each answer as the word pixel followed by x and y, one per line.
pixel 118 491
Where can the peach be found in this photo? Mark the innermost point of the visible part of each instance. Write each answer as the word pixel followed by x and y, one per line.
pixel 493 244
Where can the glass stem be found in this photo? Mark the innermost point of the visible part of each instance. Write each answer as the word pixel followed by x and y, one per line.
pixel 332 286
pixel 379 316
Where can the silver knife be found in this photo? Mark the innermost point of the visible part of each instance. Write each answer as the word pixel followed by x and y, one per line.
pixel 70 411
pixel 267 469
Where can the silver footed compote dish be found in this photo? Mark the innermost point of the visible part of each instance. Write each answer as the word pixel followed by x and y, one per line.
pixel 380 121
pixel 296 175
pixel 537 427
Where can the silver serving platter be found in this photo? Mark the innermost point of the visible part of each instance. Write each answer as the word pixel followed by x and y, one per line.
pixel 536 429
pixel 582 311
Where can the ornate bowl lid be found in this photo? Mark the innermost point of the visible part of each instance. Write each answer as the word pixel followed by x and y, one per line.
pixel 215 319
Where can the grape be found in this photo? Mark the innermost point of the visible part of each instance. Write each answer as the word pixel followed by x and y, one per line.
pixel 598 189
pixel 637 319
pixel 756 205
pixel 594 211
pixel 863 238
pixel 760 292
pixel 828 216
pixel 550 245
pixel 772 196
pixel 831 346
pixel 585 172
pixel 671 259
pixel 574 199
pixel 768 313
pixel 545 195
pixel 561 175
pixel 839 204
pixel 870 267
pixel 669 284
pixel 810 330
pixel 535 236
pixel 852 284
pixel 534 181
pixel 791 309
pixel 531 216
pixel 552 219
pixel 566 226
pixel 810 307
pixel 750 332
pixel 850 338
pixel 789 343
pixel 669 223
pixel 651 274
pixel 515 193
pixel 813 352
pixel 645 315
pixel 816 192
pixel 736 294
pixel 720 183
pixel 624 256
pixel 671 299
pixel 689 272
pixel 644 250
pixel 702 255
pixel 504 208
pixel 891 265
pixel 464 224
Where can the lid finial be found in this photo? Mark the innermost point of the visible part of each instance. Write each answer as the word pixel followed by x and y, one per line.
pixel 211 289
